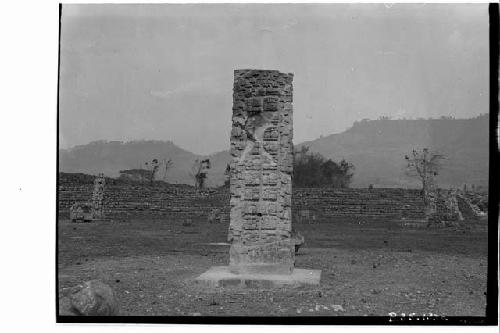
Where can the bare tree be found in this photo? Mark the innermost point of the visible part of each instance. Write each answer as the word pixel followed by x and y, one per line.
pixel 199 172
pixel 152 167
pixel 227 175
pixel 148 171
pixel 166 165
pixel 426 166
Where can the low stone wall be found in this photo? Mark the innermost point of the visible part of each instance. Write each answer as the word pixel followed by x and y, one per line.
pixel 125 199
pixel 365 203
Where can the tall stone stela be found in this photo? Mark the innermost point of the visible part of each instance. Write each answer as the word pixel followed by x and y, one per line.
pixel 261 173
pixel 98 197
pixel 262 251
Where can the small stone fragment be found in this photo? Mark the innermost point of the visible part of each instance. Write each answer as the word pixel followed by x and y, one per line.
pixel 337 307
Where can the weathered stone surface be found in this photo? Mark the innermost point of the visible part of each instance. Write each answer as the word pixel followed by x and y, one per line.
pixel 450 211
pixel 261 169
pixel 125 200
pixel 98 197
pixel 81 212
pixel 430 200
pixel 471 203
pixel 215 216
pixel 222 276
pixel 93 298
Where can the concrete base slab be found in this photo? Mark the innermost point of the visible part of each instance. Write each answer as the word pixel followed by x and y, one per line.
pixel 220 276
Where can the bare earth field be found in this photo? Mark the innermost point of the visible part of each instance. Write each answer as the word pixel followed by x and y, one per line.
pixel 371 268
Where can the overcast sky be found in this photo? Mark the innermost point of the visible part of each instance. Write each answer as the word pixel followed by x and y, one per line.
pixel 166 71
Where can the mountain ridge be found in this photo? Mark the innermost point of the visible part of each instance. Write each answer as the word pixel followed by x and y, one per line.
pixel 375 147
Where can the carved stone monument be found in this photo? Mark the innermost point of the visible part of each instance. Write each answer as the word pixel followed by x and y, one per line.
pixel 430 199
pixel 261 173
pixel 98 197
pixel 451 204
pixel 260 233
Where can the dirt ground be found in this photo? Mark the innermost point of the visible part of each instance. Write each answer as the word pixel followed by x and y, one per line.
pixel 369 268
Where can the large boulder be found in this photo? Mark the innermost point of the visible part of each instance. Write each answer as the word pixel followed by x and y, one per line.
pixel 93 298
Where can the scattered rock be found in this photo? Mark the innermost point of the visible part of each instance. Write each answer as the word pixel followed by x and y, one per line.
pixel 65 307
pixel 337 307
pixel 93 298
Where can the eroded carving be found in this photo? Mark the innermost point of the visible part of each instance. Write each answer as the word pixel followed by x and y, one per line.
pixel 261 167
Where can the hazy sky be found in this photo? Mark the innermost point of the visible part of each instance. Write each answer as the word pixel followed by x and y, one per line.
pixel 166 71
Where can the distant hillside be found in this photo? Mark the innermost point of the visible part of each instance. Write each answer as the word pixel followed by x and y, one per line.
pixel 375 147
pixel 109 157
